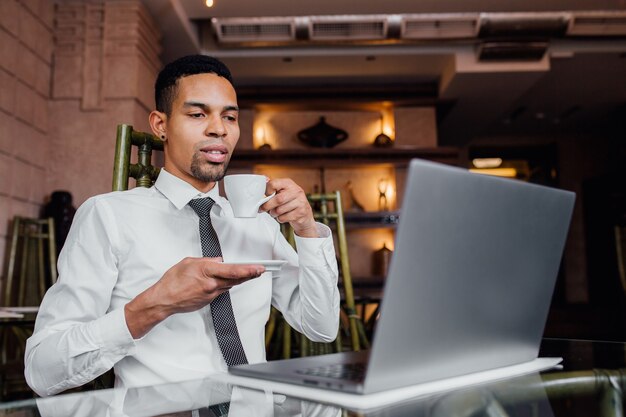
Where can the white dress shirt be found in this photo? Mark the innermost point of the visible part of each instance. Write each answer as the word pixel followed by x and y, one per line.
pixel 121 243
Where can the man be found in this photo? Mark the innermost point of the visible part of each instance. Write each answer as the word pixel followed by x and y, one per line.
pixel 134 291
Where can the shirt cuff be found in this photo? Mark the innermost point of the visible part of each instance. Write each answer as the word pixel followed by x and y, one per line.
pixel 316 251
pixel 112 334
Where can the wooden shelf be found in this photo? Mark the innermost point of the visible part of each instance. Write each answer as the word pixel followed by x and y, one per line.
pixel 339 157
pixel 371 219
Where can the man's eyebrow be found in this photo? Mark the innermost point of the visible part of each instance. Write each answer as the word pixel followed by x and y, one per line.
pixel 205 106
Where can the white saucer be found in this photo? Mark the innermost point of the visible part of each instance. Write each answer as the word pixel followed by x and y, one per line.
pixel 270 265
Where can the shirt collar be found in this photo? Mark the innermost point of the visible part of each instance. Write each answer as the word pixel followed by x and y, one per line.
pixel 180 192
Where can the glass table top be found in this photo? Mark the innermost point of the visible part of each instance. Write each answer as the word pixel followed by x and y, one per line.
pixel 589 383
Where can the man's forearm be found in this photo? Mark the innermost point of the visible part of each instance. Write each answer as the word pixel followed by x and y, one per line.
pixel 187 286
pixel 143 313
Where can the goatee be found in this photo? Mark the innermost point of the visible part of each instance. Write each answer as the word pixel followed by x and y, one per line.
pixel 206 172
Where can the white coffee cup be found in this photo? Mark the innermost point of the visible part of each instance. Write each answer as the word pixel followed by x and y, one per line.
pixel 246 193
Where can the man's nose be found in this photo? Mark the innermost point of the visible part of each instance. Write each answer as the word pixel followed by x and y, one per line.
pixel 215 127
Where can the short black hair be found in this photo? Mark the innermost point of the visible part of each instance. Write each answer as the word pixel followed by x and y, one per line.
pixel 165 86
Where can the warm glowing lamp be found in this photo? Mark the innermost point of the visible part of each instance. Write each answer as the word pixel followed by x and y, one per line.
pixel 498 172
pixel 383 140
pixel 261 138
pixel 487 162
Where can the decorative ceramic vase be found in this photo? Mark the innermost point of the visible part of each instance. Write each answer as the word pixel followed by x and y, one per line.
pixel 322 135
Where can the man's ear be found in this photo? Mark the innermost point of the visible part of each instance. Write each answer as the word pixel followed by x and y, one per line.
pixel 158 124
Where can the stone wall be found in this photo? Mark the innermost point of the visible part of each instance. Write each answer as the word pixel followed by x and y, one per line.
pixel 106 61
pixel 26 50
pixel 70 71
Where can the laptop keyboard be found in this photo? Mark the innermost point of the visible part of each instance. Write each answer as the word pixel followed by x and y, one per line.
pixel 348 371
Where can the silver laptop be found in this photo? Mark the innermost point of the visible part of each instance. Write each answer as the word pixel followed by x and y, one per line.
pixel 468 290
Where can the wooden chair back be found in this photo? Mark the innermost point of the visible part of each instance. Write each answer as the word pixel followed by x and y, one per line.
pixel 31 270
pixel 142 171
pixel 327 209
pixel 31 266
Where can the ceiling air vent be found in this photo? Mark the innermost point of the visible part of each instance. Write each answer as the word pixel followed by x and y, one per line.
pixel 324 28
pixel 523 25
pixel 440 26
pixel 254 29
pixel 598 24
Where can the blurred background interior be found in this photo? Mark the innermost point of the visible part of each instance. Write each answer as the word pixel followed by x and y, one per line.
pixel 533 90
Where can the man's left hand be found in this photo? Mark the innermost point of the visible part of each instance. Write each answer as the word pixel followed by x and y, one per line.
pixel 290 205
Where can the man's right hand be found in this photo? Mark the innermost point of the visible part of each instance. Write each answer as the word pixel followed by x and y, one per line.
pixel 187 286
